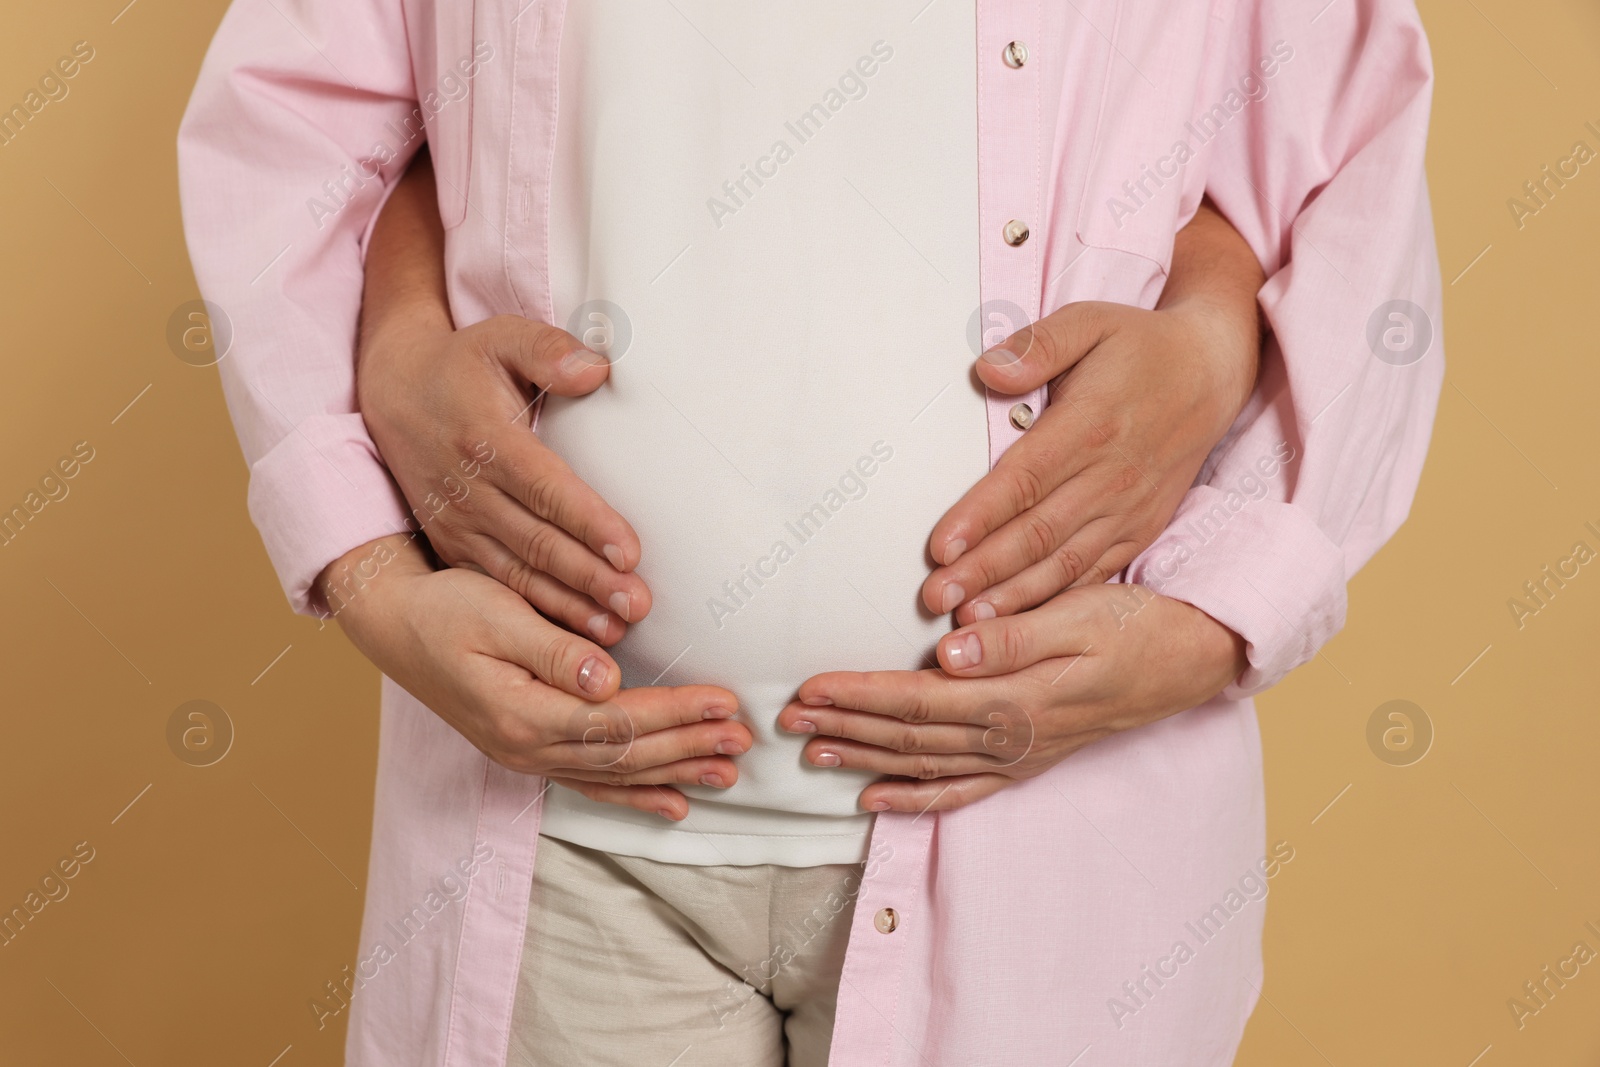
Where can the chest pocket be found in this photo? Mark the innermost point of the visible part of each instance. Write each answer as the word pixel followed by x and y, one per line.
pixel 446 86
pixel 1145 166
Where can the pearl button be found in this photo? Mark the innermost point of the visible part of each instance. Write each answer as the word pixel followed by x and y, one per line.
pixel 886 920
pixel 1015 232
pixel 1021 416
pixel 1015 54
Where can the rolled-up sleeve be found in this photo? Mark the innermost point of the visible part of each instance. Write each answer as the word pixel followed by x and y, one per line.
pixel 1323 175
pixel 303 117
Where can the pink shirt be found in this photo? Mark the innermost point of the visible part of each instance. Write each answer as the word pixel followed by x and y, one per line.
pixel 1112 904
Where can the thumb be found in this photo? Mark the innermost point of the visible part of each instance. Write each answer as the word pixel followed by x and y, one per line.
pixel 519 635
pixel 550 358
pixel 1044 350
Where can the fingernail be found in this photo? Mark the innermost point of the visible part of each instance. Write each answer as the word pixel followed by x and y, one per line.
pixel 804 726
pixel 666 813
pixel 716 713
pixel 953 596
pixel 827 759
pixel 878 805
pixel 953 550
pixel 579 360
pixel 818 702
pixel 598 625
pixel 729 748
pixel 614 554
pixel 620 603
pixel 711 779
pixel 983 611
pixel 964 652
pixel 591 675
pixel 1001 357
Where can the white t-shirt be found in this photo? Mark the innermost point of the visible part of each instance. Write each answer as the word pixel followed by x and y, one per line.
pixel 777 204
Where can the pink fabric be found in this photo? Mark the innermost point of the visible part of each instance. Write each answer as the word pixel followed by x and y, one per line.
pixel 1023 919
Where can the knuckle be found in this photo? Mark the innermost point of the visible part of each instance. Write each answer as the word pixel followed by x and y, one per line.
pixel 1025 485
pixel 1069 565
pixel 543 494
pixel 520 579
pixel 549 344
pixel 925 767
pixel 1048 343
pixel 907 739
pixel 1013 644
pixel 536 544
pixel 1124 479
pixel 1037 534
pixel 555 651
pixel 917 710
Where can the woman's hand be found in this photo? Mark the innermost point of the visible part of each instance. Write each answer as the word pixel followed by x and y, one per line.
pixel 1139 400
pixel 1016 695
pixel 531 696
pixel 450 411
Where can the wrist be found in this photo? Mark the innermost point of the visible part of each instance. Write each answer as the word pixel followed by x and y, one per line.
pixel 402 323
pixel 358 587
pixel 1224 338
pixel 1224 653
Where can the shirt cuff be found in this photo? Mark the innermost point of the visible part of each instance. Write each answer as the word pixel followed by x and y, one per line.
pixel 1262 568
pixel 319 493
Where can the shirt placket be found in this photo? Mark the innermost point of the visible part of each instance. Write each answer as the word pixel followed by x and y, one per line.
pixel 893 910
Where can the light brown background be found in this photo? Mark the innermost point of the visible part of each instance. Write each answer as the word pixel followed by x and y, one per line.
pixel 220 902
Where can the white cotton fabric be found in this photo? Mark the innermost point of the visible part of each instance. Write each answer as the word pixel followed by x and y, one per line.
pixel 794 406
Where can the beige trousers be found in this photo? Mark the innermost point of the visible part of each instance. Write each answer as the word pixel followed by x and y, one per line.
pixel 635 963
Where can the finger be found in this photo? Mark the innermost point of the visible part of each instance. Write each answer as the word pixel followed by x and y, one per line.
pixel 550 358
pixel 550 597
pixel 1021 542
pixel 1050 347
pixel 1058 448
pixel 662 707
pixel 913 696
pixel 564 660
pixel 716 772
pixel 547 548
pixel 594 754
pixel 1066 626
pixel 837 752
pixel 653 799
pixel 543 483
pixel 882 731
pixel 942 794
pixel 1043 580
pixel 1039 583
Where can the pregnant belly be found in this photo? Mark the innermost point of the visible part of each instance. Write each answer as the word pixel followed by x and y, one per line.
pixel 778 544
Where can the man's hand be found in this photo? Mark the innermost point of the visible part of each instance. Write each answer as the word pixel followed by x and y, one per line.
pixel 450 411
pixel 531 696
pixel 1140 399
pixel 1016 695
